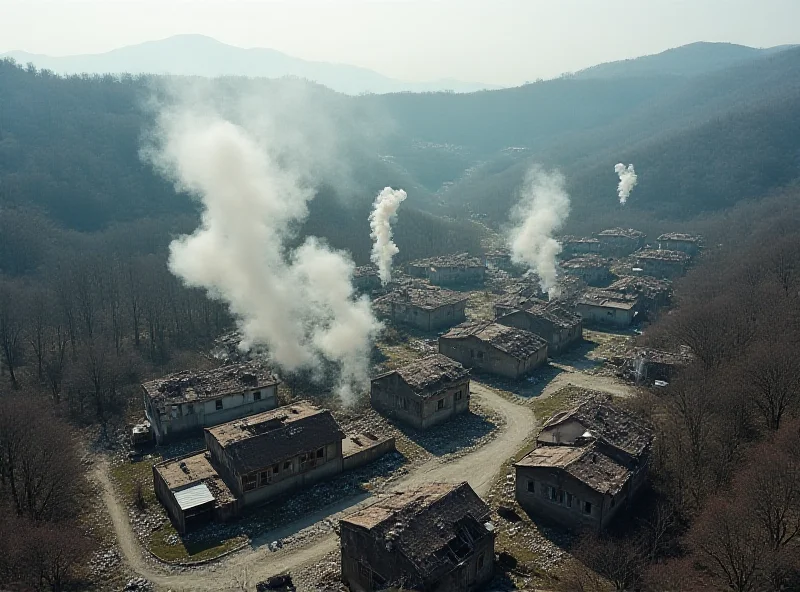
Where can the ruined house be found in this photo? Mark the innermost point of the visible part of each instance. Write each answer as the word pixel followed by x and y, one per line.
pixel 593 270
pixel 449 269
pixel 678 241
pixel 576 246
pixel 618 242
pixel 186 402
pixel 589 464
pixel 652 294
pixel 498 259
pixel 424 392
pixel 610 309
pixel 437 537
pixel 494 348
pixel 662 264
pixel 556 325
pixel 366 278
pixel 646 365
pixel 426 307
pixel 251 460
pixel 518 296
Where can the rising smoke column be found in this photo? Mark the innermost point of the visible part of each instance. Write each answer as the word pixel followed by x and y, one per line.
pixel 299 304
pixel 627 181
pixel 380 219
pixel 542 209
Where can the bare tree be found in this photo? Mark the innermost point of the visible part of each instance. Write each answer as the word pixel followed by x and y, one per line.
pixel 11 327
pixel 772 371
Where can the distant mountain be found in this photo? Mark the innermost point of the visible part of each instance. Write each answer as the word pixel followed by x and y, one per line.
pixel 688 60
pixel 198 55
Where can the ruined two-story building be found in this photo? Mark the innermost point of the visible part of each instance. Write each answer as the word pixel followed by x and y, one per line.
pixel 423 393
pixel 609 309
pixel 660 263
pixel 449 269
pixel 576 246
pixel 186 402
pixel 560 328
pixel 618 242
pixel 494 348
pixel 435 538
pixel 679 241
pixel 588 465
pixel 426 307
pixel 592 269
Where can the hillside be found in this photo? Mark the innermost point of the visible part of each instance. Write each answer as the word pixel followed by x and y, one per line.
pixel 198 55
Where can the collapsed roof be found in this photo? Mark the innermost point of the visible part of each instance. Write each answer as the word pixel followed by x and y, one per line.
pixel 515 342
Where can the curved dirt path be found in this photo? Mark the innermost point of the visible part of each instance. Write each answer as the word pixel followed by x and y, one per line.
pixel 479 468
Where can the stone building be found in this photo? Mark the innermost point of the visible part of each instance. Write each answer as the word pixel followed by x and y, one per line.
pixel 677 241
pixel 589 464
pixel 366 278
pixel 449 269
pixel 576 246
pixel 648 365
pixel 498 259
pixel 651 294
pixel 662 264
pixel 601 307
pixel 424 392
pixel 517 296
pixel 594 270
pixel 186 402
pixel 618 242
pixel 437 537
pixel 494 348
pixel 251 460
pixel 556 325
pixel 426 307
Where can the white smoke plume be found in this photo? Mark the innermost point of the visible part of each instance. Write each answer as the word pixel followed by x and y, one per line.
pixel 298 303
pixel 542 209
pixel 380 221
pixel 627 181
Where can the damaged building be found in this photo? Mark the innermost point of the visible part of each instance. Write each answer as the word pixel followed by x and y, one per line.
pixel 588 465
pixel 560 328
pixel 592 269
pixel 662 264
pixel 426 307
pixel 610 309
pixel 423 393
pixel 619 242
pixel 251 460
pixel 577 246
pixel 437 537
pixel 366 278
pixel 494 348
pixel 678 241
pixel 498 259
pixel 652 294
pixel 646 365
pixel 518 296
pixel 449 269
pixel 186 402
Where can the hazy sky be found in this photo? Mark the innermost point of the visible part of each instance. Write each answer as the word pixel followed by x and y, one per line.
pixel 492 41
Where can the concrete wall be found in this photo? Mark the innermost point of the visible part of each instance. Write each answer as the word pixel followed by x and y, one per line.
pixel 369 453
pixel 445 316
pixel 662 269
pixel 564 433
pixel 164 495
pixel 185 417
pixel 474 353
pixel 392 397
pixel 606 315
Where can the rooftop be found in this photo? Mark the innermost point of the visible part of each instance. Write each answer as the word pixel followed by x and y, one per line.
pixel 613 425
pixel 681 236
pixel 266 438
pixel 457 260
pixel 608 299
pixel 586 463
pixel 515 342
pixel 365 271
pixel 585 262
pixel 558 316
pixel 183 472
pixel 210 384
pixel 575 240
pixel 663 357
pixel 624 232
pixel 427 297
pixel 432 374
pixel 662 255
pixel 426 524
pixel 642 284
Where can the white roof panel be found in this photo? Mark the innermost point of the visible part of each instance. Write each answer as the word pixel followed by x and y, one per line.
pixel 193 496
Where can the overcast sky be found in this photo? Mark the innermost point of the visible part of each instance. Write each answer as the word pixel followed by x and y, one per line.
pixel 493 41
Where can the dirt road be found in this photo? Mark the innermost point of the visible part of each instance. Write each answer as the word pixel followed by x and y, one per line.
pixel 607 384
pixel 479 468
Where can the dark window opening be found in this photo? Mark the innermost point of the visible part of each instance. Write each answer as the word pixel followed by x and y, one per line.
pixel 587 507
pixel 480 561
pixel 265 477
pixel 218 404
pixel 321 453
pixel 532 486
pixel 287 466
pixel 458 395
pixel 249 482
pixel 257 396
pixel 439 404
pixel 190 408
pixel 569 500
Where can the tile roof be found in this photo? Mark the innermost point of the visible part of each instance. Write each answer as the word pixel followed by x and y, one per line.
pixel 456 260
pixel 681 236
pixel 585 463
pixel 425 524
pixel 427 297
pixel 662 255
pixel 515 342
pixel 608 299
pixel 624 232
pixel 266 438
pixel 209 384
pixel 585 262
pixel 432 374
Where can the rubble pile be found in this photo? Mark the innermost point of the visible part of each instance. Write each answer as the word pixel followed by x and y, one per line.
pixel 138 585
pixel 104 561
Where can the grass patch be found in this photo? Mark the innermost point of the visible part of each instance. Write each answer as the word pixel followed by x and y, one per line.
pixel 561 400
pixel 127 474
pixel 162 543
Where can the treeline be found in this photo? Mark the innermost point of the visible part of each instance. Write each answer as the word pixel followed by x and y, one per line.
pixel 726 465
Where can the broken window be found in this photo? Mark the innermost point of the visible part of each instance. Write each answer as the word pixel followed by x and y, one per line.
pixel 531 486
pixel 587 507
pixel 218 404
pixel 458 396
pixel 439 404
pixel 321 453
pixel 257 396
pixel 249 482
pixel 265 477
pixel 569 500
pixel 555 495
pixel 287 466
pixel 402 403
